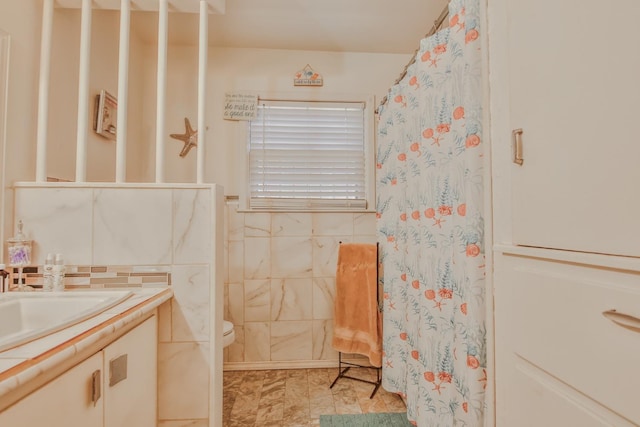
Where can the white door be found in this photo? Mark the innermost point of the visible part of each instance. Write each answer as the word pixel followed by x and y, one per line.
pixel 574 70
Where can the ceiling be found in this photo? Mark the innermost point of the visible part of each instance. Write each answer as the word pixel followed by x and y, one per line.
pixel 377 26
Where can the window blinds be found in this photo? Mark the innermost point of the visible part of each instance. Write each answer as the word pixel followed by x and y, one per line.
pixel 307 155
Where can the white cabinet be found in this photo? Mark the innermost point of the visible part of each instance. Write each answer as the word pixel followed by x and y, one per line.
pixel 573 68
pixel 65 401
pixel 115 387
pixel 565 73
pixel 562 358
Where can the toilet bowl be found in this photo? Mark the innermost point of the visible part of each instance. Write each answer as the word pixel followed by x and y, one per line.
pixel 228 334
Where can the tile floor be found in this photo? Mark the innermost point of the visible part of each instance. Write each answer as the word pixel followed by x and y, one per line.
pixel 297 397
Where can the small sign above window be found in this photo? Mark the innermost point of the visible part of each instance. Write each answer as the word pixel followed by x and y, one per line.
pixel 307 77
pixel 240 106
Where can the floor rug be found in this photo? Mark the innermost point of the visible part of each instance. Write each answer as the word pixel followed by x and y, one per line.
pixel 365 420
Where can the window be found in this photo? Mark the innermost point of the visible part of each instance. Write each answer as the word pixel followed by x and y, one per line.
pixel 309 156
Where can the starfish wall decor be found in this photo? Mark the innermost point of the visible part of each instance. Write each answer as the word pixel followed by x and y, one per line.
pixel 189 137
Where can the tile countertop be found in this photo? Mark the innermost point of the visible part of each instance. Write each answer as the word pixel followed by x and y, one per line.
pixel 27 363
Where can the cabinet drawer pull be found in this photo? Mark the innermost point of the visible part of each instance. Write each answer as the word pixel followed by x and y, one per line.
pixel 96 387
pixel 625 320
pixel 517 146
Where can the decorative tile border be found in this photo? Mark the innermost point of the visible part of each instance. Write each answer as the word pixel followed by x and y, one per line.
pixel 102 276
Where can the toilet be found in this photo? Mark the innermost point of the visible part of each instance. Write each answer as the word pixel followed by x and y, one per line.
pixel 228 334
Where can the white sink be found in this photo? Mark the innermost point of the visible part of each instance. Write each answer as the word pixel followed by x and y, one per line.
pixel 26 316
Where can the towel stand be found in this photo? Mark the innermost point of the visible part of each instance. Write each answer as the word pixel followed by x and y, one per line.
pixel 342 370
pixel 343 367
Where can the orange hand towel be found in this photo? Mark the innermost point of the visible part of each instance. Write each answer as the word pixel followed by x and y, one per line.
pixel 357 321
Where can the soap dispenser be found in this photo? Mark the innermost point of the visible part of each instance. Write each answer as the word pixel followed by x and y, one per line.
pixel 47 273
pixel 58 273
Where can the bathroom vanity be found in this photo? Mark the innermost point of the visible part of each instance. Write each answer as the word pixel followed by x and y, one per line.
pixel 99 372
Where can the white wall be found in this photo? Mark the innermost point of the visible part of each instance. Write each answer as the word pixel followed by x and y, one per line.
pixel 21 19
pixel 63 105
pixel 260 71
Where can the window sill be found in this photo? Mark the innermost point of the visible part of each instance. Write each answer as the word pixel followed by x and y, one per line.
pixel 273 210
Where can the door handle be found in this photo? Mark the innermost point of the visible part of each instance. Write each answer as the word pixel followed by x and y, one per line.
pixel 516 135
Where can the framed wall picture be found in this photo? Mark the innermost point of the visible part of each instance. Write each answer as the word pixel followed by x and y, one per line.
pixel 106 113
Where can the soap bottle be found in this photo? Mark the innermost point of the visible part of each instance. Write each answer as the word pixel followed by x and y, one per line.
pixel 47 273
pixel 19 248
pixel 58 273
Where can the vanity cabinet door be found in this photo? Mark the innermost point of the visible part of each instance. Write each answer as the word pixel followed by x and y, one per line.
pixel 130 381
pixel 67 401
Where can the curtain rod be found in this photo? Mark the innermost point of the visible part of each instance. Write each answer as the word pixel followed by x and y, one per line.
pixel 436 26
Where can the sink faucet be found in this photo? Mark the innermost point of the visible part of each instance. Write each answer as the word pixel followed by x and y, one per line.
pixel 4 279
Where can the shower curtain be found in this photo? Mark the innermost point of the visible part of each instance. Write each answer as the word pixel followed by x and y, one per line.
pixel 430 228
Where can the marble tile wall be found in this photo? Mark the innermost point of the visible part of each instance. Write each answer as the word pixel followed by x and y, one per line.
pixel 280 284
pixel 170 229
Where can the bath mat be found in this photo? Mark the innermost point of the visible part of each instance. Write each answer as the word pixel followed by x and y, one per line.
pixel 391 419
